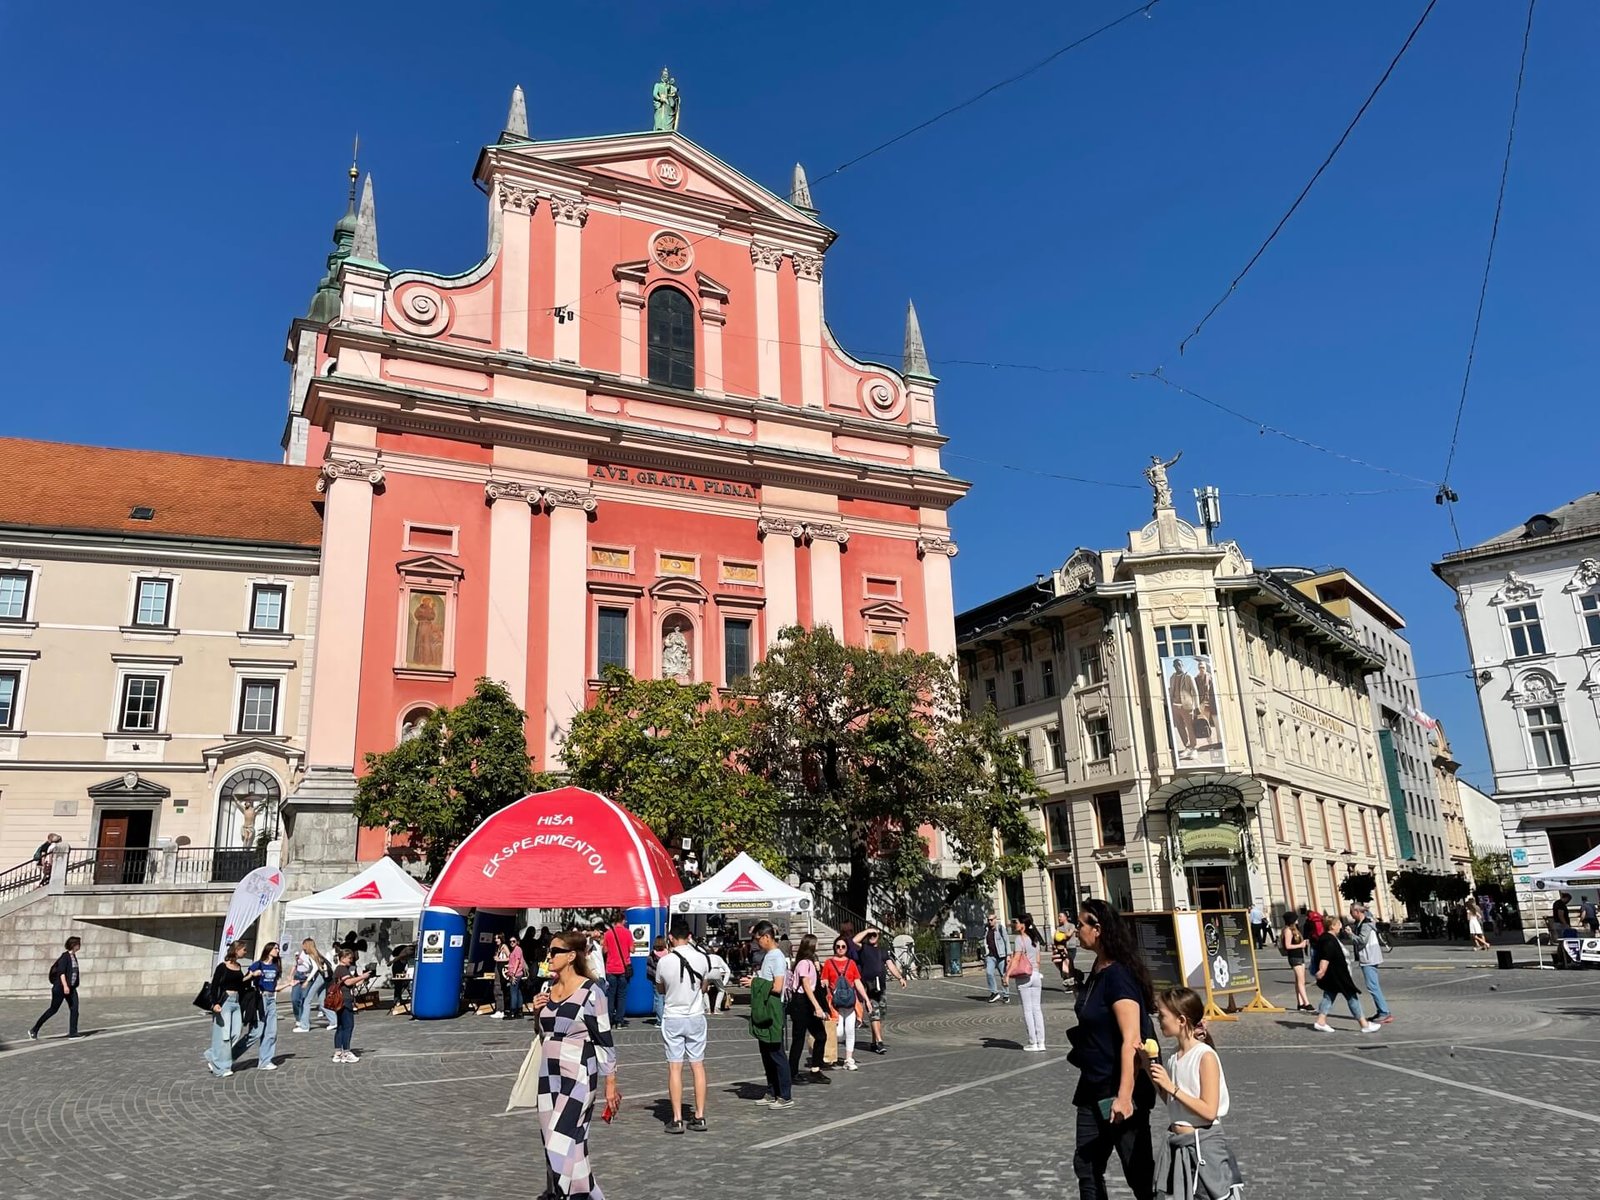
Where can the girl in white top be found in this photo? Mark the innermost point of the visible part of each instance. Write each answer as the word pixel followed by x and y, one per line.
pixel 1192 1079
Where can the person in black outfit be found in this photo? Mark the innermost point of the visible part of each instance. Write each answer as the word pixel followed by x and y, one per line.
pixel 63 990
pixel 1114 1095
pixel 1333 977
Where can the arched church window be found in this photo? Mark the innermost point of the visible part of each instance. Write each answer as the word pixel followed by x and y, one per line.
pixel 671 336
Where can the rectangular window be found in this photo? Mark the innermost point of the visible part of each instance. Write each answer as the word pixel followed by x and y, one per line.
pixel 1047 677
pixel 1052 747
pixel 989 693
pixel 1097 732
pixel 1366 834
pixel 258 706
pixel 14 587
pixel 613 638
pixel 140 710
pixel 1547 735
pixel 1311 883
pixel 1108 814
pixel 1286 878
pixel 1181 641
pixel 1019 692
pixel 266 607
pixel 1058 824
pixel 1300 816
pixel 1322 822
pixel 154 600
pixel 1277 813
pixel 1527 635
pixel 10 684
pixel 1344 821
pixel 1590 606
pixel 1090 665
pixel 1064 887
pixel 735 649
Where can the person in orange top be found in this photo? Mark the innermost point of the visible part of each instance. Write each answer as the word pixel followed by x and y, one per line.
pixel 847 996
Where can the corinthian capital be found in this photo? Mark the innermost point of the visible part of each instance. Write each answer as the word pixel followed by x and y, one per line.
pixel 768 258
pixel 806 266
pixel 516 198
pixel 497 489
pixel 935 545
pixel 569 210
pixel 556 497
pixel 349 468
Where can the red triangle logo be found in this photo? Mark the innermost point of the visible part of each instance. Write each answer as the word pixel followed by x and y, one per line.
pixel 367 891
pixel 276 878
pixel 743 884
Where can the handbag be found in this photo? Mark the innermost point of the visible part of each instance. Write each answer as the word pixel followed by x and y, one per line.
pixel 1018 966
pixel 203 999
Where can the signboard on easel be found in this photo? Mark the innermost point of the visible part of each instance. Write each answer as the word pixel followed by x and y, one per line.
pixel 1171 946
pixel 1231 969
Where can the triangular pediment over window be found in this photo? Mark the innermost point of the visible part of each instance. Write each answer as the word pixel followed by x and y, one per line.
pixel 886 610
pixel 130 786
pixel 429 566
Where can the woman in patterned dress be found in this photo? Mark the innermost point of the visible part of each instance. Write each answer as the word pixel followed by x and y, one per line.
pixel 576 1024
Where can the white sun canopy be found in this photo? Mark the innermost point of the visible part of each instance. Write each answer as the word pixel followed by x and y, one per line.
pixel 744 885
pixel 1585 867
pixel 383 890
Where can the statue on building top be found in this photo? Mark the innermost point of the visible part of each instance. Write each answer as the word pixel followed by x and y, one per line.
pixel 667 101
pixel 1156 473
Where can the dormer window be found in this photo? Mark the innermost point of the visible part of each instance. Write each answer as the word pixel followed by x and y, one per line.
pixel 1539 525
pixel 671 337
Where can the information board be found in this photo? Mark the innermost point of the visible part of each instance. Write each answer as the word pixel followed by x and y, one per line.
pixel 1230 952
pixel 1157 940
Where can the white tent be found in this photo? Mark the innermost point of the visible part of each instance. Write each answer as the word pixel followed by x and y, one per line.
pixel 1585 867
pixel 382 891
pixel 744 885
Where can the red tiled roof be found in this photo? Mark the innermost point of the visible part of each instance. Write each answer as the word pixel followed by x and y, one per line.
pixel 52 485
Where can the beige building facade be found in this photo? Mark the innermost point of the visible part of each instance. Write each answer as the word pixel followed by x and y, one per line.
pixel 1201 730
pixel 1457 836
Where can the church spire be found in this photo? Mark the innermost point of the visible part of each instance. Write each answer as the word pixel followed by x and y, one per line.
pixel 800 190
pixel 915 361
pixel 325 304
pixel 364 245
pixel 517 118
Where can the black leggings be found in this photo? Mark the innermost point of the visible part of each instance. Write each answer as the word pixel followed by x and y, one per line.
pixel 803 1019
pixel 1097 1138
pixel 57 999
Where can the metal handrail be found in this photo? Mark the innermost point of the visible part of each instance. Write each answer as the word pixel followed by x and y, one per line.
pixel 20 878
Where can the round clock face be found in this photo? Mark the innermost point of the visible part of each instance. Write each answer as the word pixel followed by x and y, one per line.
pixel 671 251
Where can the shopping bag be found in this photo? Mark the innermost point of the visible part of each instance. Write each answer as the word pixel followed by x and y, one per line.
pixel 525 1091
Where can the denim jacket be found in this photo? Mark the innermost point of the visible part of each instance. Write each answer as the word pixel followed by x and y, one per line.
pixel 1002 942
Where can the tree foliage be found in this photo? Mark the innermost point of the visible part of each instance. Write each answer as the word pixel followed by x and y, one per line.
pixel 664 752
pixel 867 748
pixel 1492 873
pixel 463 764
pixel 1411 886
pixel 1360 887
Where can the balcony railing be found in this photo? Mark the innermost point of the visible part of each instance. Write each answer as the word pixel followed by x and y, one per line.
pixel 157 866
pixel 24 877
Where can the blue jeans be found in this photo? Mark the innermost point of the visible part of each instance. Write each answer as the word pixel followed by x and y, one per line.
pixel 995 969
pixel 316 989
pixel 1370 974
pixel 224 1035
pixel 617 998
pixel 266 1033
pixel 297 999
pixel 344 1025
pixel 1325 1006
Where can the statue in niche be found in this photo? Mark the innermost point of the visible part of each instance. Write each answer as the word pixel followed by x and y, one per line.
pixel 675 651
pixel 1156 473
pixel 667 101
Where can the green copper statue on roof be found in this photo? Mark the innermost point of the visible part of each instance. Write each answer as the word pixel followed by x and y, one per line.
pixel 667 101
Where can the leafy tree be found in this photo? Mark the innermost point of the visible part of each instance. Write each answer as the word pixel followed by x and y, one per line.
pixel 1411 886
pixel 1360 887
pixel 663 751
pixel 463 764
pixel 868 747
pixel 1492 873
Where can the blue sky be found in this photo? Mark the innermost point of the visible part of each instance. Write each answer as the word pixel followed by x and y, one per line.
pixel 173 174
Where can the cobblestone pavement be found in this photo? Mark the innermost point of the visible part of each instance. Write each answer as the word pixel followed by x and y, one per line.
pixel 1482 1087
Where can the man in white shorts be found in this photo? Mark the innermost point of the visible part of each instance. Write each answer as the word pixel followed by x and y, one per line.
pixel 681 978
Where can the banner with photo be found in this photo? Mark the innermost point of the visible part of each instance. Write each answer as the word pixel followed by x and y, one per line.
pixel 1192 711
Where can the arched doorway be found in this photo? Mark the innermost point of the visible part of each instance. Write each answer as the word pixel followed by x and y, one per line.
pixel 248 804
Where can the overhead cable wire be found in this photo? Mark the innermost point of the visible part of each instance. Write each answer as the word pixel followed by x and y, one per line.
pixel 991 89
pixel 1306 191
pixel 1446 497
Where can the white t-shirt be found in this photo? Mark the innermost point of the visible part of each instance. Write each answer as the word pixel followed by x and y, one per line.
pixel 1185 1071
pixel 680 989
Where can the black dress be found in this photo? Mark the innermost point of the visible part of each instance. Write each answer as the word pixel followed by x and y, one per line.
pixel 1336 980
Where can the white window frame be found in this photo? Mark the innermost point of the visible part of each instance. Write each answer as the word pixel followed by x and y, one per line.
pixel 1590 641
pixel 247 628
pixel 1525 713
pixel 1088 652
pixel 168 606
pixel 30 601
pixel 15 663
pixel 1538 620
pixel 130 606
pixel 245 684
pixel 748 617
pixel 1090 749
pixel 163 699
pixel 1054 752
pixel 1047 678
pixel 629 609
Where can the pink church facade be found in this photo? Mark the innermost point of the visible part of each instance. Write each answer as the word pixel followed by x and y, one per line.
pixel 625 436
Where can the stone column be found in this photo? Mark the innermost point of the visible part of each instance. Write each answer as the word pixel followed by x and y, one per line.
pixel 510 534
pixel 827 575
pixel 570 214
pixel 712 297
pixel 567 635
pixel 808 283
pixel 778 538
pixel 939 605
pixel 767 260
pixel 517 205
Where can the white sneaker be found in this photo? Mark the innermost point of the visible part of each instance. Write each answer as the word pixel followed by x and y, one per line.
pixel 302 1029
pixel 1371 1027
pixel 850 1065
pixel 1037 1048
pixel 351 1058
pixel 497 1016
pixel 1321 1028
pixel 223 1074
pixel 266 1066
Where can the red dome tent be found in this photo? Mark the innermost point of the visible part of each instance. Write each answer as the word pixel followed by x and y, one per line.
pixel 569 848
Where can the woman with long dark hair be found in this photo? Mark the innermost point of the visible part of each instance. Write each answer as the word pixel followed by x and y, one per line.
pixel 805 1010
pixel 1114 1095
pixel 227 981
pixel 1030 986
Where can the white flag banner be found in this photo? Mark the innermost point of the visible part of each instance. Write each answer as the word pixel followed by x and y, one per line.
pixel 256 891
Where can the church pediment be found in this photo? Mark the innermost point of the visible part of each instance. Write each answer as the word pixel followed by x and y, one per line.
pixel 129 786
pixel 665 161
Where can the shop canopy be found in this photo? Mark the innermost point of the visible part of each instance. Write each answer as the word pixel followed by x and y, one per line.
pixel 569 848
pixel 1585 867
pixel 382 890
pixel 744 885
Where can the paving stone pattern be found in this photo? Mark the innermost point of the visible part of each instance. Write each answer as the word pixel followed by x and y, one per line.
pixel 954 1110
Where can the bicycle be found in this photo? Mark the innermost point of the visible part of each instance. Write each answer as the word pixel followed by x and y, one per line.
pixel 912 963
